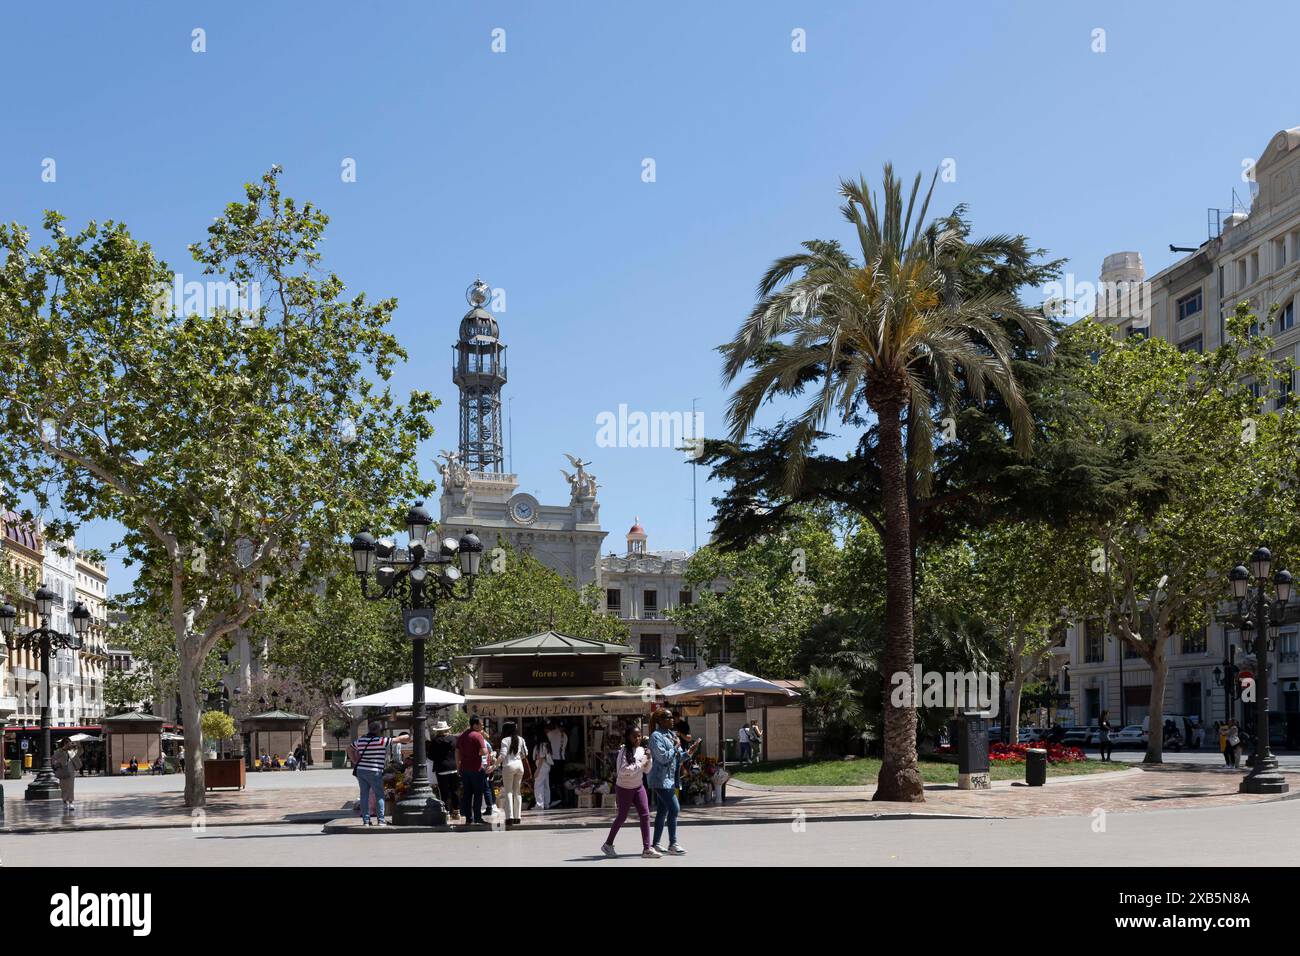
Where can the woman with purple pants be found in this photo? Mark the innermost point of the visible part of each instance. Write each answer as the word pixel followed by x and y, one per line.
pixel 632 762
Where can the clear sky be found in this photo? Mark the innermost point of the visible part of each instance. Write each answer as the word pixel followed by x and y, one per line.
pixel 526 166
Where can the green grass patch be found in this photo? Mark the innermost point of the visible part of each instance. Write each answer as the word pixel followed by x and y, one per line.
pixel 862 771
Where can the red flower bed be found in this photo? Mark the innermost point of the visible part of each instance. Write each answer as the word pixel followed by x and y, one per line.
pixel 1015 753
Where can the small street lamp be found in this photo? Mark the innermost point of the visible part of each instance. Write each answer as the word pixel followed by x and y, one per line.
pixel 44 640
pixel 675 663
pixel 1257 614
pixel 431 569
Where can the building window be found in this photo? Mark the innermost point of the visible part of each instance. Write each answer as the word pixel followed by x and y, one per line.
pixel 724 652
pixel 1094 651
pixel 1189 305
pixel 1286 647
pixel 1195 642
pixel 650 647
pixel 1279 252
pixel 1194 344
pixel 1287 318
pixel 1284 386
pixel 614 600
pixel 684 598
pixel 687 647
pixel 651 605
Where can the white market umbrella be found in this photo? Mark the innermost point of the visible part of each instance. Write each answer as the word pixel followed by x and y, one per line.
pixel 82 738
pixel 404 696
pixel 722 681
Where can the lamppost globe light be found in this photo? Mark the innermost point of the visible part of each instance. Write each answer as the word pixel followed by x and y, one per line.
pixel 80 619
pixel 418 522
pixel 44 601
pixel 449 548
pixel 1240 579
pixel 1282 584
pixel 8 617
pixel 471 553
pixel 363 553
pixel 1260 562
pixel 450 575
pixel 385 548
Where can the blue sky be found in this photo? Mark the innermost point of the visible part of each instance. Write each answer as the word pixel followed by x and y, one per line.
pixel 526 166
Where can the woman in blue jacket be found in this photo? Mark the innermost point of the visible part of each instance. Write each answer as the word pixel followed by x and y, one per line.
pixel 666 754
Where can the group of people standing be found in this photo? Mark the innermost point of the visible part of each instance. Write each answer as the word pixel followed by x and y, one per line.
pixel 461 768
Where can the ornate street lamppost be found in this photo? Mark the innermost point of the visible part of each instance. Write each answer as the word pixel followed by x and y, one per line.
pixel 1226 677
pixel 44 640
pixel 417 580
pixel 1257 614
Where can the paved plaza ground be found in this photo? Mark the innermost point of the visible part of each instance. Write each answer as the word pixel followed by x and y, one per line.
pixel 319 797
pixel 1212 837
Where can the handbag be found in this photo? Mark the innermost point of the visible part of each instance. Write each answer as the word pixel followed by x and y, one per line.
pixel 360 755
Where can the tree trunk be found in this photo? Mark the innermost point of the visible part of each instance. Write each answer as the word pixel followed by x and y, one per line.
pixel 1156 721
pixel 190 666
pixel 899 779
pixel 1012 719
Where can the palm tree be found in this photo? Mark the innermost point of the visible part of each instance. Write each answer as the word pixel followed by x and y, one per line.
pixel 899 331
pixel 833 707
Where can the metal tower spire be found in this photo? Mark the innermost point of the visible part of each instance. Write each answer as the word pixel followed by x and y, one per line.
pixel 479 371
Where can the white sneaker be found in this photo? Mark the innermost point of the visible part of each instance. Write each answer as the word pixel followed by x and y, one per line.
pixel 676 850
pixel 607 849
pixel 650 853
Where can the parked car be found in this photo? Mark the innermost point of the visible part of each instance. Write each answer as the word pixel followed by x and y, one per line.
pixel 1131 736
pixel 1079 737
pixel 1029 735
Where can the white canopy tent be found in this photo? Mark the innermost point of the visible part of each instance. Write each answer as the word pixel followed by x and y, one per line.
pixel 404 696
pixel 722 681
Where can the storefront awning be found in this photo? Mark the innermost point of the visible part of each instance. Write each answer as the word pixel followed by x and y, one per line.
pixel 557 701
pixel 527 694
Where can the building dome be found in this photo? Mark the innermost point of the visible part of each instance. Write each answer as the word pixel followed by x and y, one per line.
pixel 636 539
pixel 636 529
pixel 479 327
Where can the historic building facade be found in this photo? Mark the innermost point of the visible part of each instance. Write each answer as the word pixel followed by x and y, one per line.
pixel 641 587
pixel 23 552
pixel 92 659
pixel 1254 258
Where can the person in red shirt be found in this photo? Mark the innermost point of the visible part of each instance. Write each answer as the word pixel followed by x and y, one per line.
pixel 470 750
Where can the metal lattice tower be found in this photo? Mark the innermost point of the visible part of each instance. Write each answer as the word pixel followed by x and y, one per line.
pixel 479 371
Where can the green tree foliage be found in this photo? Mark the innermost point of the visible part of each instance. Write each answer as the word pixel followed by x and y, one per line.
pixel 762 600
pixel 236 447
pixel 1205 471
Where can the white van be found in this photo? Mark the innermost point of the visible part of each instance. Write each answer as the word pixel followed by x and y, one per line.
pixel 1186 728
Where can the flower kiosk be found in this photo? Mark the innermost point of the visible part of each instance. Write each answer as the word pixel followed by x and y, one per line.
pixel 569 688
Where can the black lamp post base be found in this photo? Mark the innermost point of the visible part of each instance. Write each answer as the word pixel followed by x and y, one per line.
pixel 419 808
pixel 1266 781
pixel 43 788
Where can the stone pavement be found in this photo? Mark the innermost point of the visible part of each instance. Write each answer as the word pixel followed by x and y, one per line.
pixel 1169 787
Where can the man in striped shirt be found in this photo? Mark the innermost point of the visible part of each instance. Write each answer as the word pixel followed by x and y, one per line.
pixel 369 754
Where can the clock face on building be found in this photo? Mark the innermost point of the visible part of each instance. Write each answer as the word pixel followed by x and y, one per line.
pixel 523 509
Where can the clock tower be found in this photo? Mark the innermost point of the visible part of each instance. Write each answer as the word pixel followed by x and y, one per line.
pixel 478 495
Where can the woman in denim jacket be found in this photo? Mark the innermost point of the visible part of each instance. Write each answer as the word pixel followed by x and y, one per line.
pixel 667 755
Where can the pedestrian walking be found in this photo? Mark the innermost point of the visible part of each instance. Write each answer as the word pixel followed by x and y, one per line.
pixel 369 757
pixel 514 767
pixel 471 752
pixel 667 755
pixel 1103 735
pixel 442 755
pixel 66 761
pixel 755 742
pixel 542 763
pixel 630 764
pixel 742 738
pixel 1232 743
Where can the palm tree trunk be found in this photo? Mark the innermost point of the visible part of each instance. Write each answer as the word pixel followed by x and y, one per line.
pixel 899 779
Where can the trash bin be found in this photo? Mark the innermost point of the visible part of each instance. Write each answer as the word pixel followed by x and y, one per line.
pixel 730 750
pixel 27 761
pixel 972 739
pixel 1035 766
pixel 13 769
pixel 338 759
